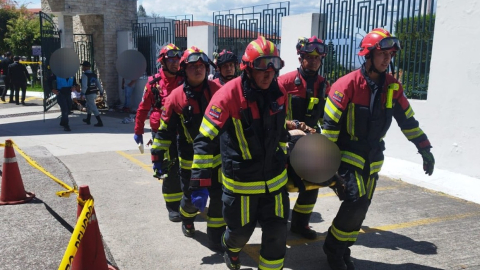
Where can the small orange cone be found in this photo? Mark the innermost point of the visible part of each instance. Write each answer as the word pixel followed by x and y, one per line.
pixel 90 254
pixel 13 191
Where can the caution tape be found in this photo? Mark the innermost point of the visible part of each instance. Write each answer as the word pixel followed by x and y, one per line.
pixel 28 62
pixel 33 163
pixel 77 235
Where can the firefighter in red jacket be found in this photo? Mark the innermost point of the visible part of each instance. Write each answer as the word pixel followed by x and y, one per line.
pixel 248 115
pixel 156 90
pixel 182 114
pixel 227 64
pixel 358 113
pixel 306 99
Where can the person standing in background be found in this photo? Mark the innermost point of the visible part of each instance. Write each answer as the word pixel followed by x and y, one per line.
pixel 18 78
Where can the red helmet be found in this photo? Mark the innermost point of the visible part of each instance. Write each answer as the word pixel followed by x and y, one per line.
pixel 379 39
pixel 313 45
pixel 169 51
pixel 261 54
pixel 192 55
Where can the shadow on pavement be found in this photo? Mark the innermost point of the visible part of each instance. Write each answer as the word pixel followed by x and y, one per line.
pixel 364 264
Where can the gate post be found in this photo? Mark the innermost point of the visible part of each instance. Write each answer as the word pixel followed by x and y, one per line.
pixel 65 23
pixel 202 37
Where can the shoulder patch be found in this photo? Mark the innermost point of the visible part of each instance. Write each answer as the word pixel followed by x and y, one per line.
pixel 338 96
pixel 215 112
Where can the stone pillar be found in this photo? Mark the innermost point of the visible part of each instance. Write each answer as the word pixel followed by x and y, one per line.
pixel 293 27
pixel 65 23
pixel 202 37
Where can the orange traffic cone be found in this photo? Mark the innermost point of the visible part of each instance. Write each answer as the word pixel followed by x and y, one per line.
pixel 90 253
pixel 13 191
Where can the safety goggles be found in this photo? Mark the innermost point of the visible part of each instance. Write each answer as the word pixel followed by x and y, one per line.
pixel 266 62
pixel 389 43
pixel 315 46
pixel 194 57
pixel 174 53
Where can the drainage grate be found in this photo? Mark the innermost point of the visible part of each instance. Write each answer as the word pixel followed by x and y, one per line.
pixel 27 114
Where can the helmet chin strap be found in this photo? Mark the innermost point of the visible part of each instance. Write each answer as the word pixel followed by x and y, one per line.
pixel 165 68
pixel 372 66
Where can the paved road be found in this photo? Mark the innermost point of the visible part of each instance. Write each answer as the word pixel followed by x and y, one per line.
pixel 407 227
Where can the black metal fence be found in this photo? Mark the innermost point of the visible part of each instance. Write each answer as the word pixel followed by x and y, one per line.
pixel 150 34
pixel 50 40
pixel 83 45
pixel 235 28
pixel 345 22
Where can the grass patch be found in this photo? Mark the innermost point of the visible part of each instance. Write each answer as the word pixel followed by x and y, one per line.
pixel 35 88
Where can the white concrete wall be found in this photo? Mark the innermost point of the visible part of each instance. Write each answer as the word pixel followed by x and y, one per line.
pixel 294 27
pixel 450 114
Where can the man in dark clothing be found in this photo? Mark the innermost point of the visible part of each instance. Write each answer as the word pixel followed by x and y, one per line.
pixel 4 66
pixel 63 87
pixel 18 77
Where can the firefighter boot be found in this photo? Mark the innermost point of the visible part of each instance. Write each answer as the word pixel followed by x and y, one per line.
pixel 99 121
pixel 87 120
pixel 335 251
pixel 299 225
pixel 188 229
pixel 174 216
pixel 215 238
pixel 348 260
pixel 232 259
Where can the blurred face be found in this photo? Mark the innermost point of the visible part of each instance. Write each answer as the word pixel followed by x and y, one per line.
pixel 195 73
pixel 381 59
pixel 227 69
pixel 263 78
pixel 311 62
pixel 172 64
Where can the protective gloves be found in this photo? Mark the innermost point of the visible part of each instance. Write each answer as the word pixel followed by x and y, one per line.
pixel 428 160
pixel 199 198
pixel 157 169
pixel 138 138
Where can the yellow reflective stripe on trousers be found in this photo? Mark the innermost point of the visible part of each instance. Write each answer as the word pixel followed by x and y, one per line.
pixel 412 133
pixel 245 209
pixel 185 130
pixel 283 145
pixel 376 166
pixel 215 222
pixel 185 163
pixel 217 161
pixel 163 125
pixel 255 187
pixel 187 215
pixel 351 121
pixel 343 236
pixel 173 197
pixel 289 111
pixel 304 209
pixel 370 186
pixel 161 144
pixel 332 111
pixel 207 129
pixel 231 249
pixel 202 161
pixel 353 159
pixel 409 112
pixel 270 265
pixel 279 205
pixel 242 142
pixel 360 184
pixel 332 135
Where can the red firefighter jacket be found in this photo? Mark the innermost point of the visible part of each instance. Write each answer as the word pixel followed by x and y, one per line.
pixel 154 95
pixel 251 127
pixel 182 114
pixel 358 114
pixel 305 104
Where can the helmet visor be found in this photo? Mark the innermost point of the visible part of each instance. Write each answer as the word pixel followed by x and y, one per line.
pixel 194 57
pixel 315 46
pixel 266 62
pixel 389 43
pixel 174 53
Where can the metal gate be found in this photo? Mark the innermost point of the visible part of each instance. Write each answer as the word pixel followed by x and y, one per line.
pixel 150 34
pixel 345 22
pixel 235 28
pixel 83 44
pixel 50 41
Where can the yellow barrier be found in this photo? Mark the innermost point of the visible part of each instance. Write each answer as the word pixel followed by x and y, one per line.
pixel 34 164
pixel 28 63
pixel 77 235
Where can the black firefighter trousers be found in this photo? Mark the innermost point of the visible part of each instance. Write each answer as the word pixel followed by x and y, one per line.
pixel 242 212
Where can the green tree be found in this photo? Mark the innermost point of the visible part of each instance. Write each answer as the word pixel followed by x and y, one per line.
pixel 141 11
pixel 23 32
pixel 8 11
